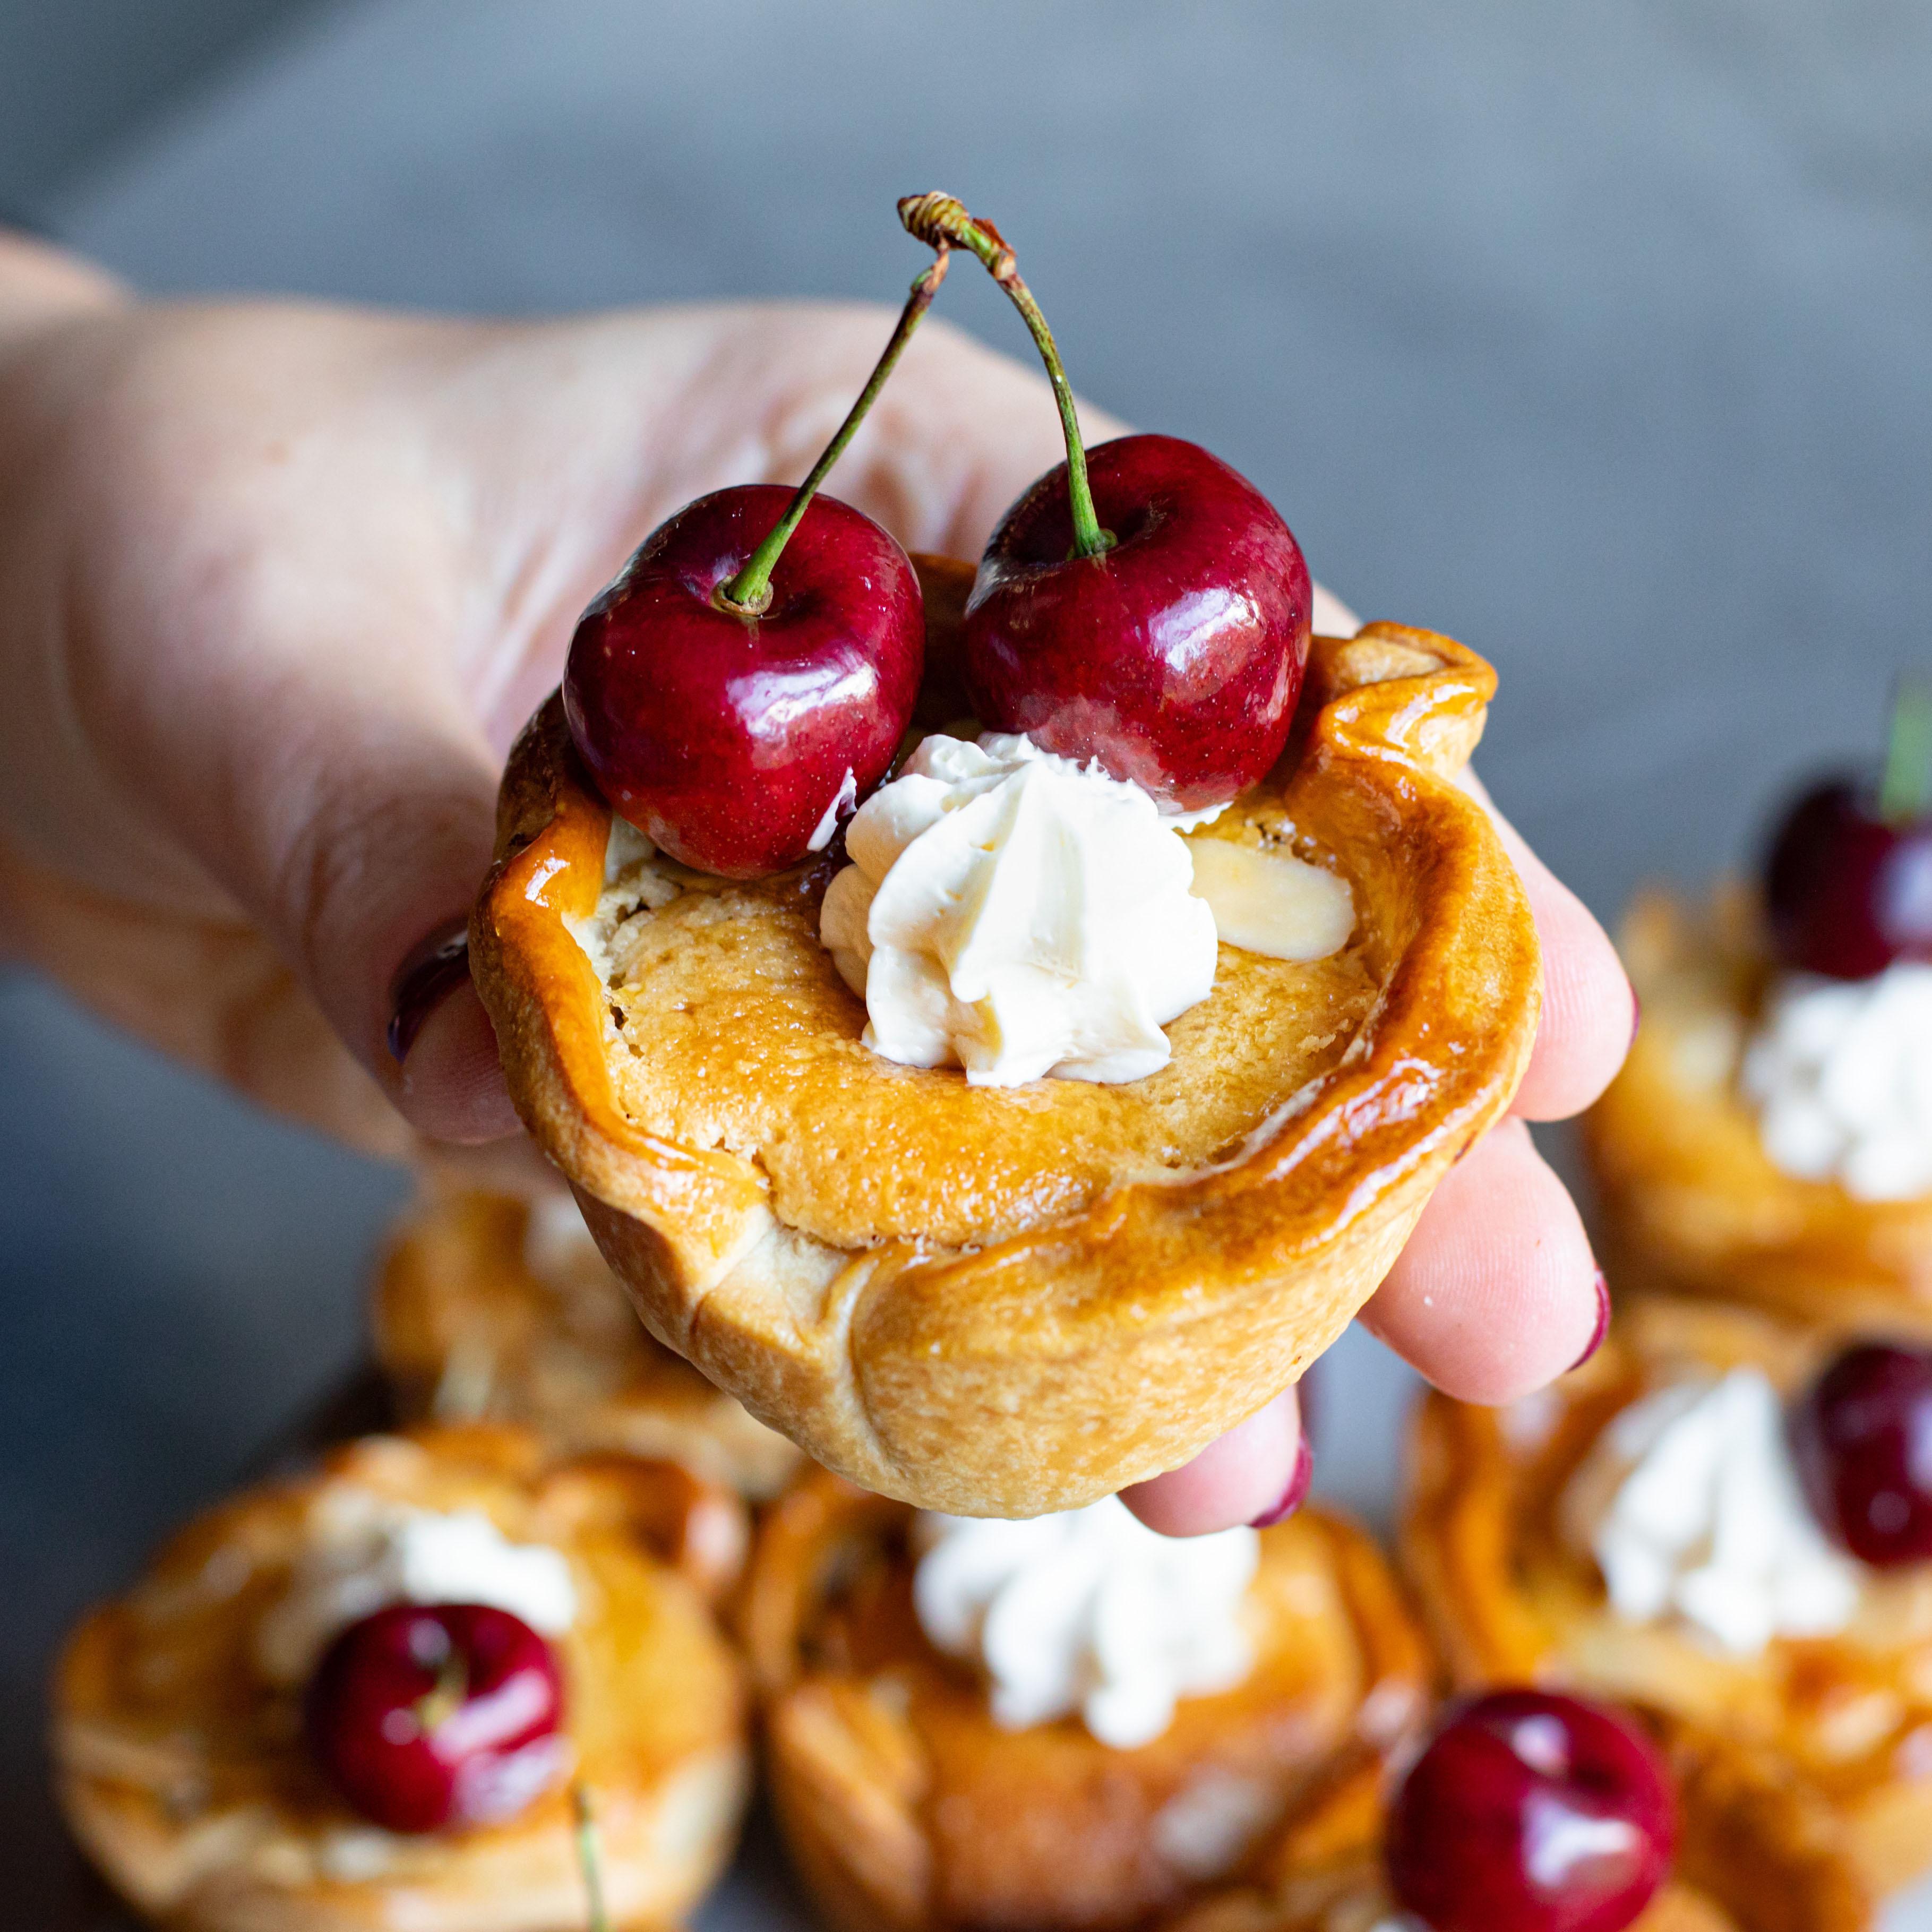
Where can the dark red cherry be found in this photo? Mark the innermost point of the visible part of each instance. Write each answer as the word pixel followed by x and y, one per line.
pixel 1532 1812
pixel 446 1716
pixel 1862 1434
pixel 1847 890
pixel 732 739
pixel 1175 656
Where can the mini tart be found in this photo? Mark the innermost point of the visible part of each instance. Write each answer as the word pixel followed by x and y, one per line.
pixel 1511 1600
pixel 905 1806
pixel 1007 1301
pixel 470 1326
pixel 1689 1201
pixel 184 1777
pixel 1758 1851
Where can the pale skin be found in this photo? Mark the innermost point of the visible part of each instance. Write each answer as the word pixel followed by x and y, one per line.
pixel 278 584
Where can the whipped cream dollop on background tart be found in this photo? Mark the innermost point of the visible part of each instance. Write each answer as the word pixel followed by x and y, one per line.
pixel 1004 1300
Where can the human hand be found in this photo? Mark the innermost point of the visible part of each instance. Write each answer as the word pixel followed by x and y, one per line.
pixel 278 584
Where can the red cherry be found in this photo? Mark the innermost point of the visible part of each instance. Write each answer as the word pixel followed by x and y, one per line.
pixel 726 737
pixel 1531 1812
pixel 1862 1434
pixel 1175 656
pixel 425 1718
pixel 1847 891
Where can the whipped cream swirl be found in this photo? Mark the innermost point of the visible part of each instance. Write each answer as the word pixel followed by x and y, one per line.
pixel 1841 1074
pixel 1692 1505
pixel 365 1551
pixel 1089 1611
pixel 1018 914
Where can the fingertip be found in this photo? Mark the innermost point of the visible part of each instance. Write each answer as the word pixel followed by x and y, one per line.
pixel 449 1086
pixel 1249 1475
pixel 1495 1293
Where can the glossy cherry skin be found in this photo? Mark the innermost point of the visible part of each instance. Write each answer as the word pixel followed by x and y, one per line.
pixel 491 1749
pixel 1846 893
pixel 1862 1434
pixel 727 738
pixel 1532 1812
pixel 1176 657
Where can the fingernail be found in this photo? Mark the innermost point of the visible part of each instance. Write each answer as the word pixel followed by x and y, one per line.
pixel 1637 1013
pixel 426 977
pixel 1296 1494
pixel 1602 1326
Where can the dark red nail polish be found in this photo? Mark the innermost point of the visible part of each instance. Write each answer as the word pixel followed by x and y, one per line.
pixel 1602 1326
pixel 428 976
pixel 1296 1494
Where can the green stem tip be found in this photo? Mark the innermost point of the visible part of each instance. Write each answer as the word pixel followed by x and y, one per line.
pixel 1905 788
pixel 938 219
pixel 589 1856
pixel 750 592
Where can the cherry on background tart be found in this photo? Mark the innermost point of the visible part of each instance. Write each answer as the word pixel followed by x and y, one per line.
pixel 189 1772
pixel 1689 1201
pixel 1513 1594
pixel 958 1294
pixel 905 1804
pixel 1756 1849
pixel 496 1307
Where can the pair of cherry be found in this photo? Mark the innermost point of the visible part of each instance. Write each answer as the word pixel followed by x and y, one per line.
pixel 749 676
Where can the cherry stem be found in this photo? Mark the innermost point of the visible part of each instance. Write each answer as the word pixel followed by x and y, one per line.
pixel 1905 787
pixel 444 1698
pixel 750 592
pixel 937 220
pixel 590 1856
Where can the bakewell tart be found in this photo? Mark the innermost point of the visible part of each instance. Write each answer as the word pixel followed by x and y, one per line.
pixel 1714 1516
pixel 496 1307
pixel 1010 1300
pixel 371 1696
pixel 1706 1187
pixel 1066 1721
pixel 1742 1844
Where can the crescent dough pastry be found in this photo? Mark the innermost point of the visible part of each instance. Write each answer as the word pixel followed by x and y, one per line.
pixel 184 1776
pixel 905 1806
pixel 1004 1301
pixel 1688 1199
pixel 1511 1600
pixel 478 1316
pixel 1758 1851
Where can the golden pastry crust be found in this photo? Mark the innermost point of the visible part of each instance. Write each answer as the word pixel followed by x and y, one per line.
pixel 1689 1201
pixel 473 1323
pixel 962 1297
pixel 1758 1851
pixel 183 1775
pixel 1510 1600
pixel 905 1806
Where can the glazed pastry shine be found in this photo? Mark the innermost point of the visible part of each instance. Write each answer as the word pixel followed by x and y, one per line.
pixel 1018 914
pixel 1691 1504
pixel 1087 1610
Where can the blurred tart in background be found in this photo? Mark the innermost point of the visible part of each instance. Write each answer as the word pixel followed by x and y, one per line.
pixel 1067 1721
pixel 497 1306
pixel 1721 1515
pixel 373 1696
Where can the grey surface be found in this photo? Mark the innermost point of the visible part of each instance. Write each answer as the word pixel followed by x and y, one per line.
pixel 1598 335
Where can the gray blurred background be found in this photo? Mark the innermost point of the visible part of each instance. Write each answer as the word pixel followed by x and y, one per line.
pixel 1600 336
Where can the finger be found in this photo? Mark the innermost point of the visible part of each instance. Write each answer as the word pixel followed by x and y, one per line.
pixel 1589 1009
pixel 1258 1473
pixel 1497 1292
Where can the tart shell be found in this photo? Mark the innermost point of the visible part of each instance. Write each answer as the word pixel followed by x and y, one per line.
pixel 183 1777
pixel 1097 1333
pixel 1688 1200
pixel 905 1807
pixel 1509 1599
